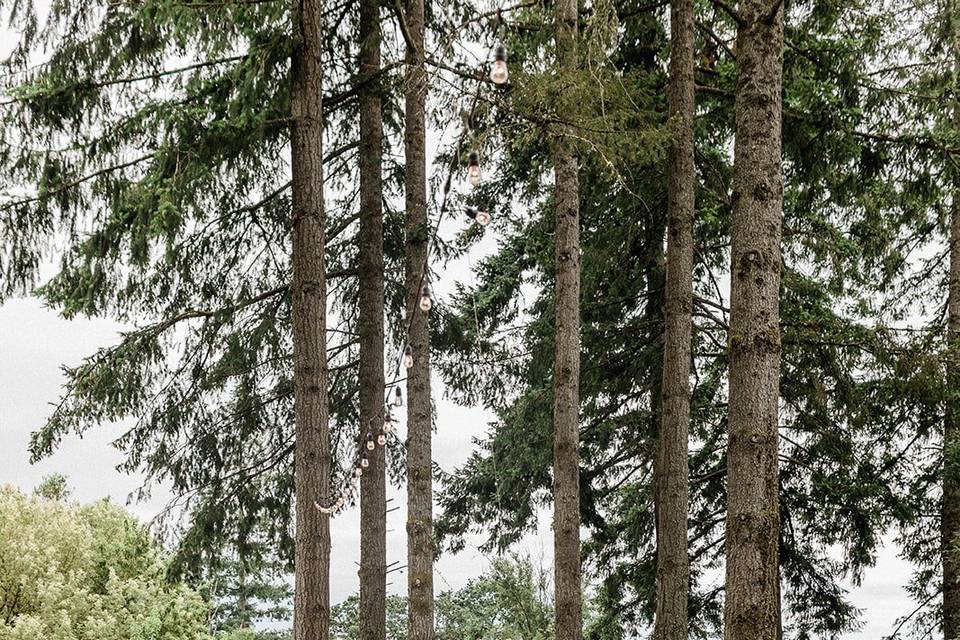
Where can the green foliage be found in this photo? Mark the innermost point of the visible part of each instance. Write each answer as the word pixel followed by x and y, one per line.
pixel 858 397
pixel 147 154
pixel 510 601
pixel 70 572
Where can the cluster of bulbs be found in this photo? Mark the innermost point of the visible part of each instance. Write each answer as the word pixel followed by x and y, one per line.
pixel 499 75
pixel 371 444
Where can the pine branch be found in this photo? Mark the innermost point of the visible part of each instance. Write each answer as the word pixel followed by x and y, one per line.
pixel 76 182
pixel 160 327
pixel 405 30
pixel 730 11
pixel 717 39
pixel 90 84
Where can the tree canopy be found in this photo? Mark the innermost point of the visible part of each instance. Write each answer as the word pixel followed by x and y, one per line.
pixel 85 572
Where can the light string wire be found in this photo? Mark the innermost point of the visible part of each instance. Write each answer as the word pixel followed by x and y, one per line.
pixel 386 430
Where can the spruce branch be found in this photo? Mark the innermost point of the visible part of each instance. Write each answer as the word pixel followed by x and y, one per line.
pixel 76 182
pixel 730 11
pixel 90 84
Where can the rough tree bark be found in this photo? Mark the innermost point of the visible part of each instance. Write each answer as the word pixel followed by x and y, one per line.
pixel 752 608
pixel 373 496
pixel 673 476
pixel 420 548
pixel 950 514
pixel 311 609
pixel 566 369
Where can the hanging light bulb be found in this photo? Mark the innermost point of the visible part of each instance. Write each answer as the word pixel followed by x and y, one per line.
pixel 480 217
pixel 473 168
pixel 382 438
pixel 387 422
pixel 398 397
pixel 370 445
pixel 364 461
pixel 498 72
pixel 408 357
pixel 426 303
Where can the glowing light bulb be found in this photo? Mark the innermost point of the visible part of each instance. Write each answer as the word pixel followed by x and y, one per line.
pixel 426 303
pixel 398 398
pixel 408 357
pixel 364 461
pixel 473 168
pixel 498 72
pixel 370 445
pixel 480 217
pixel 382 439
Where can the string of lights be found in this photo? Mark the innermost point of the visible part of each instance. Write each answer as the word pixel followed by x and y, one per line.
pixel 498 75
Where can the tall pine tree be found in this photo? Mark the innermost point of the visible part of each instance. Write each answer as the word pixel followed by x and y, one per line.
pixel 671 469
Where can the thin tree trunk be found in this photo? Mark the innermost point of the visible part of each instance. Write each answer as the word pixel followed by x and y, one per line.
pixel 566 370
pixel 373 497
pixel 950 527
pixel 308 293
pixel 673 475
pixel 752 608
pixel 420 549
pixel 950 515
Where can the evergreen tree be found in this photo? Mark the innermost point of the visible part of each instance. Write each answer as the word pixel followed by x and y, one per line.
pixel 308 315
pixel 752 602
pixel 419 460
pixel 190 243
pixel 950 519
pixel 848 382
pixel 566 366
pixel 373 499
pixel 671 469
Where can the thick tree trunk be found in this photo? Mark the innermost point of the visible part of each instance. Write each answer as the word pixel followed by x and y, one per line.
pixel 566 369
pixel 673 476
pixel 311 608
pixel 950 514
pixel 752 608
pixel 373 497
pixel 420 549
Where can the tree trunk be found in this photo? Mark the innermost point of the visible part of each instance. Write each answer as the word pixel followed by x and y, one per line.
pixel 950 529
pixel 373 497
pixel 950 515
pixel 420 549
pixel 673 475
pixel 566 370
pixel 752 608
pixel 308 294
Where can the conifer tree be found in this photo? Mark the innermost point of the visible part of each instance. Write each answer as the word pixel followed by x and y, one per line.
pixel 752 587
pixel 566 367
pixel 189 198
pixel 950 513
pixel 308 293
pixel 672 473
pixel 420 547
pixel 373 499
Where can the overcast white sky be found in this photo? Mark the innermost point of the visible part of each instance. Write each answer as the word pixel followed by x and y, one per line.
pixel 35 342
